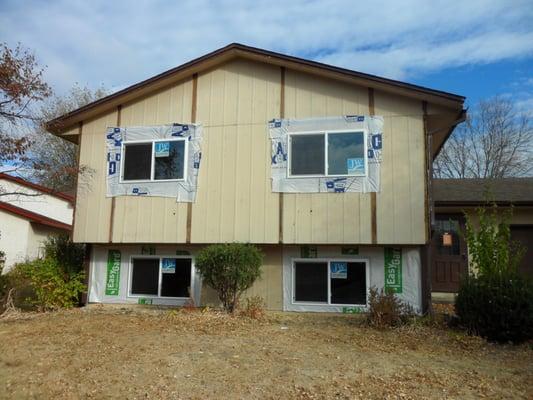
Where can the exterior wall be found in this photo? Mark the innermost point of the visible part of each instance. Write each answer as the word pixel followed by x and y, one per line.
pixel 274 284
pixel 520 215
pixel 401 202
pixel 20 239
pixel 39 203
pixel 93 209
pixel 269 286
pixel 324 217
pixel 234 200
pixel 13 238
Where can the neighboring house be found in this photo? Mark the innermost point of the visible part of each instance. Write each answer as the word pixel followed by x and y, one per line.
pixel 455 197
pixel 29 213
pixel 324 168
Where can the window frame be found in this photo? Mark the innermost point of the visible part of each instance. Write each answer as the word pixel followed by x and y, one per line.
pixel 328 261
pixel 326 167
pixel 160 276
pixel 152 164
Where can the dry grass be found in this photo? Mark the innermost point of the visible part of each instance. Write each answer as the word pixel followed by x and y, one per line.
pixel 109 352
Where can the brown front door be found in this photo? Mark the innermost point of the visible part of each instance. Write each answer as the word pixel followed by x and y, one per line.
pixel 449 260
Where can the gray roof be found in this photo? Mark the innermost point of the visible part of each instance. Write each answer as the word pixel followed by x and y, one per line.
pixel 517 191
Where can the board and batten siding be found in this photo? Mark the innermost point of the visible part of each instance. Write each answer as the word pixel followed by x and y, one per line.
pixel 234 200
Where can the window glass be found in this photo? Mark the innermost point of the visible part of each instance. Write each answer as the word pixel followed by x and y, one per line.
pixel 145 276
pixel 307 154
pixel 448 227
pixel 311 282
pixel 137 161
pixel 169 160
pixel 348 286
pixel 346 153
pixel 176 277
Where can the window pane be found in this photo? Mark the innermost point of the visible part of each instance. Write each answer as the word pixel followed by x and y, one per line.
pixel 346 153
pixel 311 282
pixel 145 276
pixel 348 287
pixel 137 161
pixel 176 277
pixel 169 160
pixel 307 154
pixel 451 227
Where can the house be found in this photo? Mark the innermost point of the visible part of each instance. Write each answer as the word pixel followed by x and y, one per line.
pixel 326 169
pixel 29 213
pixel 456 197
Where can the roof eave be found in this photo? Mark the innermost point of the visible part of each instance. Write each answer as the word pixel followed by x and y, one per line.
pixel 185 71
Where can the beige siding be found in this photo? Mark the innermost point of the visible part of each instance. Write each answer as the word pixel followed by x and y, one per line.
pixel 93 208
pixel 154 219
pixel 401 201
pixel 234 201
pixel 325 217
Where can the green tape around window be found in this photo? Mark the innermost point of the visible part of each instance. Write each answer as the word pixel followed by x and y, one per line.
pixel 352 310
pixel 148 250
pixel 112 286
pixel 308 252
pixel 393 270
pixel 349 250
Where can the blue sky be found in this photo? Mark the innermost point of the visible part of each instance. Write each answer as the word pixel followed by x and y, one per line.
pixel 476 48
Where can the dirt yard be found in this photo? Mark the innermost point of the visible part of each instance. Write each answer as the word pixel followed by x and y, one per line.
pixel 102 352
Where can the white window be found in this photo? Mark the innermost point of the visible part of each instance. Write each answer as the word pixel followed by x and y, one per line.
pixel 332 282
pixel 165 276
pixel 330 153
pixel 154 160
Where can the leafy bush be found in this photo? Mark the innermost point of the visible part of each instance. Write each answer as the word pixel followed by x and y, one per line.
pixel 230 269
pixel 69 255
pixel 492 253
pixel 386 310
pixel 254 308
pixel 494 301
pixel 52 288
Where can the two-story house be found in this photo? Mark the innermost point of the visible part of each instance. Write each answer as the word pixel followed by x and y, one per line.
pixel 326 169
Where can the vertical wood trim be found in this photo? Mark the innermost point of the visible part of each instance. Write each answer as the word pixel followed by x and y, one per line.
pixel 78 150
pixel 428 172
pixel 281 115
pixel 373 196
pixel 193 120
pixel 426 254
pixel 113 200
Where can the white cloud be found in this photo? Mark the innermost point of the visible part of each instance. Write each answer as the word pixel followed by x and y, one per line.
pixel 121 42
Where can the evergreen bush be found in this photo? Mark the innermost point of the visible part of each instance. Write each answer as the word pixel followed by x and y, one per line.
pixel 230 269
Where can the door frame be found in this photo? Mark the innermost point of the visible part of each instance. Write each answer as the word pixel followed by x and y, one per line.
pixel 463 249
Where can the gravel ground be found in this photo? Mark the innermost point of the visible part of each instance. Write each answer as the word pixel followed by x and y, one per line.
pixel 138 353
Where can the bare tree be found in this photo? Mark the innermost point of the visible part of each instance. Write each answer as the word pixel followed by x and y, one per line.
pixel 496 141
pixel 55 160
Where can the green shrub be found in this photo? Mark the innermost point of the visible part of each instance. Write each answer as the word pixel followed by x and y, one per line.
pixel 494 301
pixel 69 255
pixel 499 310
pixel 230 269
pixel 51 287
pixel 386 310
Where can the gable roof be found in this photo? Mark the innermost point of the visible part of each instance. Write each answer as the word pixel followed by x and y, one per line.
pixel 37 187
pixel 236 50
pixel 34 217
pixel 504 191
